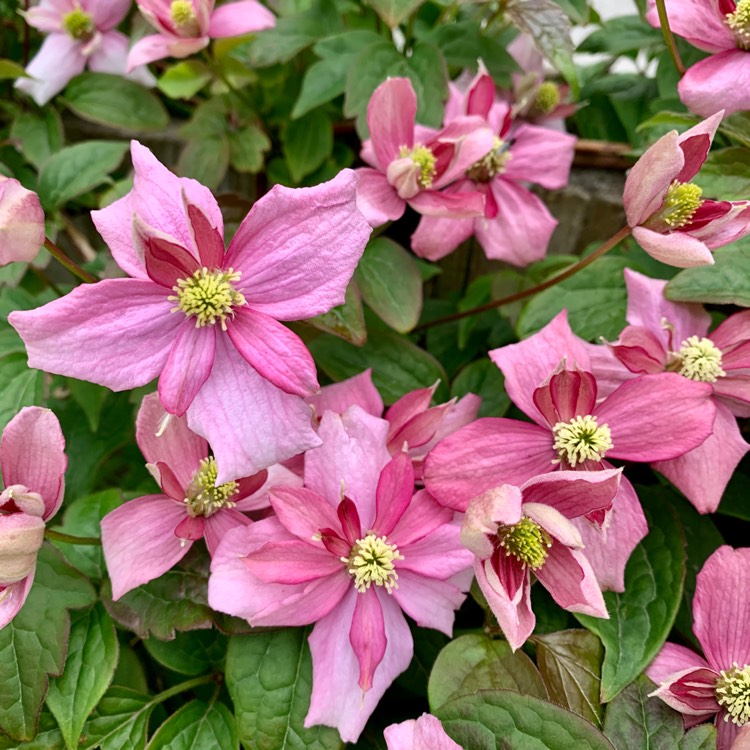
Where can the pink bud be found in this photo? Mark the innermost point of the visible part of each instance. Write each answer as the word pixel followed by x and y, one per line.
pixel 21 536
pixel 21 223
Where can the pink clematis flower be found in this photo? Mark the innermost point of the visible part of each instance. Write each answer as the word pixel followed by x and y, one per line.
pixel 410 164
pixel 32 464
pixel 424 733
pixel 719 684
pixel 516 531
pixel 670 220
pixel 81 33
pixel 672 336
pixel 187 26
pixel 145 537
pixel 351 552
pixel 21 223
pixel 650 418
pixel 204 320
pixel 723 28
pixel 516 226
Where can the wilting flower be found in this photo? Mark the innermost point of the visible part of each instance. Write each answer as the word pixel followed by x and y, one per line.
pixel 186 26
pixel 32 463
pixel 145 537
pixel 516 531
pixel 352 552
pixel 204 320
pixel 424 733
pixel 670 219
pixel 721 27
pixel 516 225
pixel 21 223
pixel 81 33
pixel 650 418
pixel 673 336
pixel 719 684
pixel 411 164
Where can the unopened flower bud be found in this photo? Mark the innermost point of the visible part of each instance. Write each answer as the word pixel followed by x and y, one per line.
pixel 21 223
pixel 21 536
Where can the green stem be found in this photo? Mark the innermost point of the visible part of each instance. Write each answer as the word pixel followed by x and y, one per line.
pixel 615 239
pixel 182 688
pixel 661 8
pixel 59 536
pixel 215 68
pixel 64 260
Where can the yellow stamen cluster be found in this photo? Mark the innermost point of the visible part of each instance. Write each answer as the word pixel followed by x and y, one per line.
pixel 209 296
pixel 371 561
pixel 78 24
pixel 582 439
pixel 425 160
pixel 527 541
pixel 700 359
pixel 183 17
pixel 681 202
pixel 546 99
pixel 491 164
pixel 204 498
pixel 733 693
pixel 739 23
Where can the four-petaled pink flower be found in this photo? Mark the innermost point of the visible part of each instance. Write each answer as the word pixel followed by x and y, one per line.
pixel 32 467
pixel 81 33
pixel 719 684
pixel 410 164
pixel 424 733
pixel 669 218
pixel 21 223
pixel 187 26
pixel 204 320
pixel 516 531
pixel 352 552
pixel 516 225
pixel 145 537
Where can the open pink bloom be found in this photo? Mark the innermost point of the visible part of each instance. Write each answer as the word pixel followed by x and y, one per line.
pixel 721 81
pixel 352 552
pixel 516 531
pixel 81 33
pixel 424 733
pixel 145 537
pixel 669 218
pixel 650 418
pixel 21 223
pixel 204 320
pixel 32 469
pixel 410 164
pixel 673 336
pixel 186 26
pixel 516 226
pixel 719 684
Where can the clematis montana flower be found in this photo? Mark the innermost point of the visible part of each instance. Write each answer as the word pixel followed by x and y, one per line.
pixel 204 320
pixel 21 223
pixel 81 34
pixel 516 531
pixel 145 537
pixel 410 164
pixel 186 26
pixel 723 28
pixel 424 733
pixel 670 219
pixel 515 226
pixel 719 684
pixel 548 376
pixel 33 463
pixel 673 336
pixel 352 552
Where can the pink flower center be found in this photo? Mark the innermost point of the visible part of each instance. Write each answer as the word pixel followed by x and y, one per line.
pixel 208 296
pixel 739 23
pixel 78 24
pixel 371 561
pixel 733 693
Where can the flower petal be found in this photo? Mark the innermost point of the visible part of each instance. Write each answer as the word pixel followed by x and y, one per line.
pixel 59 59
pixel 424 733
pixel 691 692
pixel 420 519
pixel 13 597
pixel 217 526
pixel 21 223
pixel 673 248
pixel 541 155
pixel 448 205
pixel 243 17
pixel 394 492
pixel 696 21
pixel 391 114
pixel 435 238
pixel 377 199
pixel 338 397
pixel 672 659
pixel 303 512
pixel 291 562
pixel 719 82
pixel 367 636
pixel 439 554
pixel 431 603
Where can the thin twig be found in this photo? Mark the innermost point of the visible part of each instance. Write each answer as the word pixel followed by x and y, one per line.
pixel 60 536
pixel 71 265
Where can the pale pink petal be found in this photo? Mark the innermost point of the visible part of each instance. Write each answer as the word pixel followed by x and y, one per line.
pixel 391 114
pixel 673 248
pixel 732 331
pixel 157 47
pixel 555 523
pixel 21 223
pixel 338 397
pixel 419 430
pixel 718 82
pixel 435 238
pixel 59 59
pixel 47 16
pixel 377 199
pixel 440 554
pixel 725 229
pixel 111 55
pixel 303 512
pixel 697 21
pixel 13 597
pixel 424 733
pixel 139 541
pixel 292 562
pixel 740 742
pixel 499 506
pixel 219 524
pixel 234 19
pixel 448 205
pixel 429 602
pixel 21 537
pixel 107 13
pixel 672 659
pixel 540 155
pixel 367 636
pixel 421 518
pixel 463 412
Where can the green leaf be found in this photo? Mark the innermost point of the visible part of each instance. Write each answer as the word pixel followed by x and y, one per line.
pixel 475 662
pixel 40 134
pixel 115 101
pixel 725 283
pixel 391 284
pixel 493 719
pixel 269 676
pixel 393 12
pixel 92 659
pixel 10 69
pixel 184 80
pixel 34 643
pixel 702 737
pixel 205 159
pixel 120 721
pixel 197 726
pixel 307 142
pixel 570 663
pixel 90 397
pixel 725 175
pixel 77 169
pixel 49 736
pixel 247 149
pixel 622 35
pixel 346 321
pixel 21 387
pixel 642 616
pixel 429 76
pixel 485 379
pixel 193 654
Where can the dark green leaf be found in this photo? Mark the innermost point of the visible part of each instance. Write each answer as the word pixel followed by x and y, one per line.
pixel 90 397
pixel 247 149
pixel 197 726
pixel 702 737
pixel 346 321
pixel 308 142
pixel 194 653
pixel 393 12
pixel 485 379
pixel 39 134
pixel 725 175
pixel 205 159
pixel 429 76
pixel 21 387
pixel 621 35
pixel 120 721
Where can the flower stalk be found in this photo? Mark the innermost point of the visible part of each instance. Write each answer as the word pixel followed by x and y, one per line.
pixel 71 265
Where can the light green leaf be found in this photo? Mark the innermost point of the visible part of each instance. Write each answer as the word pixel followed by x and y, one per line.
pixel 429 76
pixel 40 134
pixel 725 175
pixel 197 726
pixel 21 387
pixel 702 737
pixel 307 142
pixel 184 80
pixel 10 69
pixel 346 321
pixel 205 159
pixel 247 149
pixel 393 12
pixel 120 721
